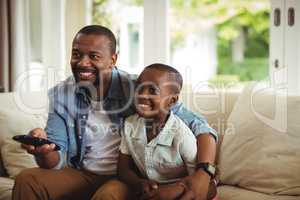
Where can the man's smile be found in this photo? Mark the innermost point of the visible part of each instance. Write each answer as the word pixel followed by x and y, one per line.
pixel 85 74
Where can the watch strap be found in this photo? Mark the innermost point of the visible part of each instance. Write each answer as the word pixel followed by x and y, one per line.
pixel 209 168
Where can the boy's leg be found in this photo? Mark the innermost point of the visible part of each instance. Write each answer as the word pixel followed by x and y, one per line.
pixel 114 190
pixel 67 183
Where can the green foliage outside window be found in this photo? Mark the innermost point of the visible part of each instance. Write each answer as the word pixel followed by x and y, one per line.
pixel 230 17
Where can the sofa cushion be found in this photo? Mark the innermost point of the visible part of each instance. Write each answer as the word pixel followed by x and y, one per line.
pixel 226 192
pixel 15 159
pixel 6 188
pixel 13 122
pixel 260 150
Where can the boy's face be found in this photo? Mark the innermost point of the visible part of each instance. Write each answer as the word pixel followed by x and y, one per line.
pixel 154 96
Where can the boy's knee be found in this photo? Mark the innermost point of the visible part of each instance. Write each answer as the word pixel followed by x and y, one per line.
pixel 112 190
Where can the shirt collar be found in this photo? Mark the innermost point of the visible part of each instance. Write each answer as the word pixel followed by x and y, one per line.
pixel 115 89
pixel 166 135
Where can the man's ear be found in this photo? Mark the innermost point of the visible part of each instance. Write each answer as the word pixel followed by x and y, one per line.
pixel 114 59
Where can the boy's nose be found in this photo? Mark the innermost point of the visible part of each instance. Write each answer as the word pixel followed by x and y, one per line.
pixel 143 96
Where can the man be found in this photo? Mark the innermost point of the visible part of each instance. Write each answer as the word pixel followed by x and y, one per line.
pixel 86 112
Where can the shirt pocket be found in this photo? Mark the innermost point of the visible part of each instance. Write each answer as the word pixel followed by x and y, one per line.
pixel 170 169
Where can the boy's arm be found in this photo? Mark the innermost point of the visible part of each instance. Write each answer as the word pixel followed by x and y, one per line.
pixel 143 187
pixel 126 172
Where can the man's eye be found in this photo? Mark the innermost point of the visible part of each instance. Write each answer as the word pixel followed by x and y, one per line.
pixel 75 55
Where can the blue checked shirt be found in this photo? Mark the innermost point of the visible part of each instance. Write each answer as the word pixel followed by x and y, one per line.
pixel 70 105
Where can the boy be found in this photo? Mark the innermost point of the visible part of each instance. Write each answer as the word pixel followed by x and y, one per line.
pixel 155 140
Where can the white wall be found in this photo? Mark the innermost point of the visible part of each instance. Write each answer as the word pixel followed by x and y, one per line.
pixel 156 31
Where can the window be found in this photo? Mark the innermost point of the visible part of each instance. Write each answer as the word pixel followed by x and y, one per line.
pixel 215 41
pixel 125 19
pixel 220 42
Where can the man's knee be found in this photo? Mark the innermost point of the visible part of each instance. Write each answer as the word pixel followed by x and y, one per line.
pixel 112 190
pixel 27 176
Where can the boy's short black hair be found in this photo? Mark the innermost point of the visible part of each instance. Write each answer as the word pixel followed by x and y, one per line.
pixel 174 75
pixel 100 30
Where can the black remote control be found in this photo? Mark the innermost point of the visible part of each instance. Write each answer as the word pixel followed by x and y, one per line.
pixel 35 141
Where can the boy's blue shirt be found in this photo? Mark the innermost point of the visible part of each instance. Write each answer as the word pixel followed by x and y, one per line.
pixel 69 108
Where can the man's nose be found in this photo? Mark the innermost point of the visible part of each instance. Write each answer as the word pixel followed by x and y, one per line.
pixel 85 61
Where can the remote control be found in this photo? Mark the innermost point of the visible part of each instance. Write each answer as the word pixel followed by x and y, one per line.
pixel 35 141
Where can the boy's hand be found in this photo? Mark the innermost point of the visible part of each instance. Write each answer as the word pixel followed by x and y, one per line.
pixel 170 191
pixel 149 189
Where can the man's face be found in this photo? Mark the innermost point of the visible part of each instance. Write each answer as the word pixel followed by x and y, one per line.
pixel 91 58
pixel 153 94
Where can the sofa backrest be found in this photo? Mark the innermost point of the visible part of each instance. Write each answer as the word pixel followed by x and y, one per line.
pixel 215 106
pixel 30 110
pixel 19 113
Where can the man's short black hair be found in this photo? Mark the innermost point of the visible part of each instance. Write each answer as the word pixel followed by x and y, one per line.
pixel 100 30
pixel 174 75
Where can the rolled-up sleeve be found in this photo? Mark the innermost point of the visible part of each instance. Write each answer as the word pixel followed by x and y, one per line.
pixel 57 132
pixel 195 122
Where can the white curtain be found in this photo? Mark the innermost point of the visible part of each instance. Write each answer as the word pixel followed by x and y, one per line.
pixel 32 43
pixel 19 40
pixel 14 41
pixel 4 46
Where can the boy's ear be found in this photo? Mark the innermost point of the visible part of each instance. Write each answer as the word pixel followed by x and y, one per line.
pixel 173 100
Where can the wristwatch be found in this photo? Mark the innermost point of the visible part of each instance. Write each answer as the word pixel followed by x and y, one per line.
pixel 209 168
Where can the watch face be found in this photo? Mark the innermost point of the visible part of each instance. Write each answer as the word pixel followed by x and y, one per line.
pixel 208 168
pixel 211 169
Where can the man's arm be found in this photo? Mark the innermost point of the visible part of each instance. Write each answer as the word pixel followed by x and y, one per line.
pixel 195 122
pixel 55 131
pixel 198 182
pixel 206 151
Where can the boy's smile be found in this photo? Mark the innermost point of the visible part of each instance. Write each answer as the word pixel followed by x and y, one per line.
pixel 153 96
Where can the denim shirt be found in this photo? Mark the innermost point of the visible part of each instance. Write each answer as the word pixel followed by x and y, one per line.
pixel 69 105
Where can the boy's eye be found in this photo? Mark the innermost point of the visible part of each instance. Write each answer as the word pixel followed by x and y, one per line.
pixel 153 90
pixel 95 57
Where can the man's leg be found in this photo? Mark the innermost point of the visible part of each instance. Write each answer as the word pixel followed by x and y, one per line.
pixel 114 190
pixel 44 184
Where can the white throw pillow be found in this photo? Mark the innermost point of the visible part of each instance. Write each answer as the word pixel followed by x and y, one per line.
pixel 260 150
pixel 13 122
pixel 15 159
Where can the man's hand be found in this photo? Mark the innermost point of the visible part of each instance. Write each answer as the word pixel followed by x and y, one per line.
pixel 41 150
pixel 196 186
pixel 197 183
pixel 45 155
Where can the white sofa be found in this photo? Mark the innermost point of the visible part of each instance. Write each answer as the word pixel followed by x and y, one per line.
pixel 259 155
